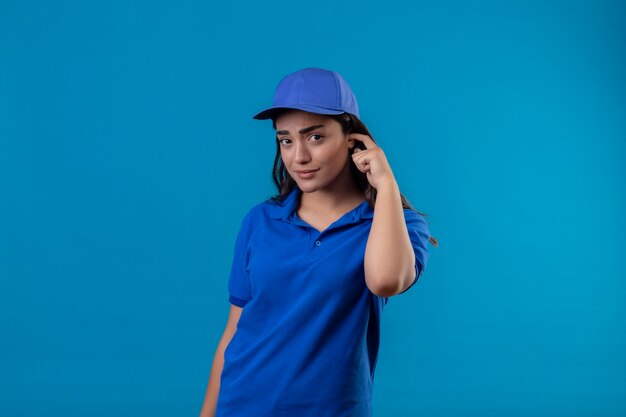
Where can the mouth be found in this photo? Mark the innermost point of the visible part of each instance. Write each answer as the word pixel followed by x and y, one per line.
pixel 308 173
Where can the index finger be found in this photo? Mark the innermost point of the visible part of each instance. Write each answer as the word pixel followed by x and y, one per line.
pixel 366 139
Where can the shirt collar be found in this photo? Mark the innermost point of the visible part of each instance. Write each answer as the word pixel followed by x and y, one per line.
pixel 286 209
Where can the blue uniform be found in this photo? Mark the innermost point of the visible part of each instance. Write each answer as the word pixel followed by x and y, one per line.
pixel 307 340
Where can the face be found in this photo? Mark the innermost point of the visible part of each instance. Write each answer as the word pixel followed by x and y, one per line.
pixel 312 142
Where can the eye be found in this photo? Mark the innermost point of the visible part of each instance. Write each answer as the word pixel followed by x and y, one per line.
pixel 320 137
pixel 281 141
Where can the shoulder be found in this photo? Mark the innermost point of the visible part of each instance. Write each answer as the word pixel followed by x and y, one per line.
pixel 415 220
pixel 414 216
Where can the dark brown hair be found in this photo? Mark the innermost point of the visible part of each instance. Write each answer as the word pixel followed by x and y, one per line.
pixel 349 124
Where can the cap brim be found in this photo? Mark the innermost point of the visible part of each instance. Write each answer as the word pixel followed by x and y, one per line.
pixel 272 111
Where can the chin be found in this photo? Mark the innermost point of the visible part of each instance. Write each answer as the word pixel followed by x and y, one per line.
pixel 306 187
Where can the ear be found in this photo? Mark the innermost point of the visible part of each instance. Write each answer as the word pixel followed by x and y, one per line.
pixel 351 143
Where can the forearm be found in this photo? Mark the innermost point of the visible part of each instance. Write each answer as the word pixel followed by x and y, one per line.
pixel 389 256
pixel 213 388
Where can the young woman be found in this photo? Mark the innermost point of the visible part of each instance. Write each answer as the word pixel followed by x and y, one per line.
pixel 314 266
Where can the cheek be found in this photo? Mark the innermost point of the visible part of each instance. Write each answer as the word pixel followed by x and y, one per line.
pixel 336 158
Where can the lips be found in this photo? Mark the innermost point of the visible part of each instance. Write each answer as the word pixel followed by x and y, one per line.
pixel 306 174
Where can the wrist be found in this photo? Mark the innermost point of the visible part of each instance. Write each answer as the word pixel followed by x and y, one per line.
pixel 388 186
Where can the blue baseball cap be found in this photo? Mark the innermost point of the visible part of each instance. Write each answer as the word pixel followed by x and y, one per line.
pixel 315 90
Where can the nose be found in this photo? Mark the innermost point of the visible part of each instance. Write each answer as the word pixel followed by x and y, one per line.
pixel 302 155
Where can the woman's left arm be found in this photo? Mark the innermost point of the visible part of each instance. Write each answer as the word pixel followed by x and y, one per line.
pixel 389 256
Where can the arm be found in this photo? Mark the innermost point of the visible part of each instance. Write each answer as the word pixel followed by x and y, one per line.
pixel 389 256
pixel 213 388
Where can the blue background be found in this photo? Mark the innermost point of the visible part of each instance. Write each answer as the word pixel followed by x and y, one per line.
pixel 128 157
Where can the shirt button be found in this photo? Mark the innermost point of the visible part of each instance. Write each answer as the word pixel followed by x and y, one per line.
pixel 317 242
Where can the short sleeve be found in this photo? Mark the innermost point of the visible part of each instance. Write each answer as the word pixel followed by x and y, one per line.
pixel 239 288
pixel 419 235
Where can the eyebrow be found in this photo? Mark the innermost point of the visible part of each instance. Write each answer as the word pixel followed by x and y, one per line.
pixel 301 131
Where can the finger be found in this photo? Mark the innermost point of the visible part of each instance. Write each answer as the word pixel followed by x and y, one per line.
pixel 359 155
pixel 362 167
pixel 366 139
pixel 359 161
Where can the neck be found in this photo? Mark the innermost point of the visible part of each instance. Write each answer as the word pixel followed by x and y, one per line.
pixel 339 195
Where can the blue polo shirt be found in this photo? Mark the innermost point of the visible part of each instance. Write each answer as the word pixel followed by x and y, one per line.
pixel 307 340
